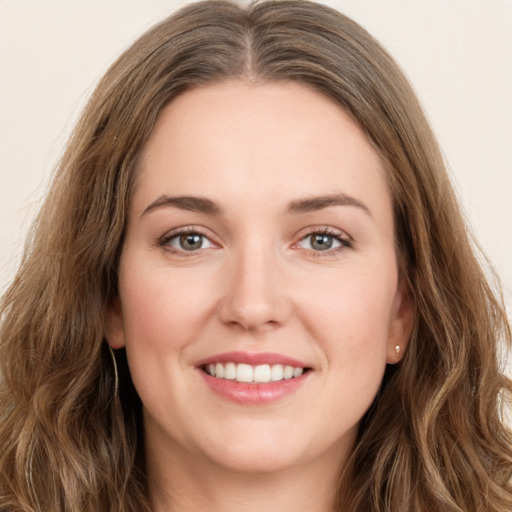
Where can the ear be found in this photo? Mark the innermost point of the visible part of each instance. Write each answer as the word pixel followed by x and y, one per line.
pixel 114 325
pixel 401 324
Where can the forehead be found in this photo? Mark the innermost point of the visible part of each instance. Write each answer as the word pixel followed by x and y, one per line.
pixel 231 139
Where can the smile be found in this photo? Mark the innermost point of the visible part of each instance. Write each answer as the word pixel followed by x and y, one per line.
pixel 246 373
pixel 254 378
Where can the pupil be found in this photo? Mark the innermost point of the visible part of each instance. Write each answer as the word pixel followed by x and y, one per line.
pixel 191 241
pixel 321 242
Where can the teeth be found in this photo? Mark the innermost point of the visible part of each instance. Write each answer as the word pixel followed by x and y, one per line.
pixel 276 372
pixel 288 372
pixel 244 373
pixel 262 373
pixel 230 371
pixel 253 374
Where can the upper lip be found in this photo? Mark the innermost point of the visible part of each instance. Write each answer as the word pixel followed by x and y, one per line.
pixel 253 359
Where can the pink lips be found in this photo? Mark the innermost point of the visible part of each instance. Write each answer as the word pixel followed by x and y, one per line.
pixel 252 359
pixel 253 394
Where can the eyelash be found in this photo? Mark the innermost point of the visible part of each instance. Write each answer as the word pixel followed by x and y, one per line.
pixel 345 242
pixel 190 230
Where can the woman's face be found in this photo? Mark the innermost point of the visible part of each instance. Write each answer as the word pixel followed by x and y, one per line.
pixel 259 246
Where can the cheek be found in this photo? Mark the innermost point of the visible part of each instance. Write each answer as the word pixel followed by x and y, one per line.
pixel 350 314
pixel 163 314
pixel 348 318
pixel 162 308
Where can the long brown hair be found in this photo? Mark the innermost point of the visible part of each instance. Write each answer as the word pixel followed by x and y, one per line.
pixel 433 440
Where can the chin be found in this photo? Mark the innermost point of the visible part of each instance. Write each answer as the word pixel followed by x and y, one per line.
pixel 255 461
pixel 267 450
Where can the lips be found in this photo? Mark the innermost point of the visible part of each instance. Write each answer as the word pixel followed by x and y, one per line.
pixel 253 378
pixel 253 359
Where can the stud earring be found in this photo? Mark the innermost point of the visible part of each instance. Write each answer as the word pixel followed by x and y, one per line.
pixel 397 350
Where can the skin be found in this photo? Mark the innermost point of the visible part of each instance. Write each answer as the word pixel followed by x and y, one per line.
pixel 257 284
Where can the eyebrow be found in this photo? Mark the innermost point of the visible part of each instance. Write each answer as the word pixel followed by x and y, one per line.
pixel 297 207
pixel 191 203
pixel 320 202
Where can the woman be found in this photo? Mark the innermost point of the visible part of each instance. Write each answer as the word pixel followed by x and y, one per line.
pixel 251 285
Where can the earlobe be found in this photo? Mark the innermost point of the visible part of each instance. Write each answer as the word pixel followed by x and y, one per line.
pixel 401 325
pixel 114 325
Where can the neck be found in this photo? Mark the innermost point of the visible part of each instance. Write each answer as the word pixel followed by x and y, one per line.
pixel 189 484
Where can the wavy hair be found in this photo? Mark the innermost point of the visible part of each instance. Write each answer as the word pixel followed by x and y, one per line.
pixel 433 441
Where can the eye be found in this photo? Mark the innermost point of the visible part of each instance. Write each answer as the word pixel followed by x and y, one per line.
pixel 322 242
pixel 190 241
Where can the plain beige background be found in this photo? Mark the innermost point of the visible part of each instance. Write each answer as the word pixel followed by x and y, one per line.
pixel 457 53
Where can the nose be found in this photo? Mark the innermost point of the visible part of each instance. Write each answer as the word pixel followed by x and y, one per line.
pixel 255 297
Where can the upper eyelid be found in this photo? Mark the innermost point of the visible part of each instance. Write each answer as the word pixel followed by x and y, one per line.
pixel 183 230
pixel 329 230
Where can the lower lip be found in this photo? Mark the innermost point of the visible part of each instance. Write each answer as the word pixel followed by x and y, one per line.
pixel 254 394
